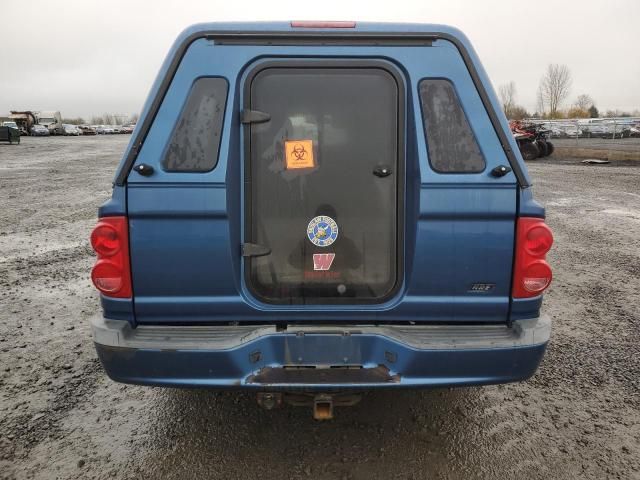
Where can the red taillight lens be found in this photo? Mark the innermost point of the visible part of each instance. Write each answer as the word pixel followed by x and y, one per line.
pixel 111 274
pixel 539 239
pixel 532 274
pixel 104 239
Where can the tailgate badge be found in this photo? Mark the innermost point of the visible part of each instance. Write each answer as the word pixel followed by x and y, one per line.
pixel 482 287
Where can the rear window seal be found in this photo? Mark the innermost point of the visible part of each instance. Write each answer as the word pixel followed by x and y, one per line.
pixel 337 63
pixel 319 37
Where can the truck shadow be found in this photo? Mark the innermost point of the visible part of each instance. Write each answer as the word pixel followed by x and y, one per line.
pixel 210 434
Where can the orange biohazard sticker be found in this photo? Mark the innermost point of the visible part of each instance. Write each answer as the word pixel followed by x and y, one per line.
pixel 299 154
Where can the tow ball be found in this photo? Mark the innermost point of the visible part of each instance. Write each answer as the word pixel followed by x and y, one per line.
pixel 321 403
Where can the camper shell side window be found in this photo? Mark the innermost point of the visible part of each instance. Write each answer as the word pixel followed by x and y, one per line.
pixel 451 143
pixel 195 141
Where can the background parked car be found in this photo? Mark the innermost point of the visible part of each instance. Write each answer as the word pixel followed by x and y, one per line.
pixel 104 130
pixel 86 130
pixel 11 124
pixel 127 129
pixel 617 130
pixel 9 134
pixel 571 131
pixel 39 131
pixel 594 130
pixel 70 130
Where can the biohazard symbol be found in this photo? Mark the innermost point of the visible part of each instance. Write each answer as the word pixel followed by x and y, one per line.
pixel 299 154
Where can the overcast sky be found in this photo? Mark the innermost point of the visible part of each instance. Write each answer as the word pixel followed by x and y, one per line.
pixel 90 57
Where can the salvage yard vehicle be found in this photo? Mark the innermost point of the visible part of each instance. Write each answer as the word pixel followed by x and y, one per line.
pixel 310 210
pixel 70 130
pixel 25 120
pixel 11 124
pixel 532 139
pixel 104 130
pixel 86 130
pixel 9 134
pixel 52 120
pixel 39 131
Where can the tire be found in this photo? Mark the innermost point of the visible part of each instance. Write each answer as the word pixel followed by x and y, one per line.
pixel 543 150
pixel 529 150
pixel 550 148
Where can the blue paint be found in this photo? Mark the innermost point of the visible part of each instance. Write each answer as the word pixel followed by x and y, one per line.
pixel 186 229
pixel 233 368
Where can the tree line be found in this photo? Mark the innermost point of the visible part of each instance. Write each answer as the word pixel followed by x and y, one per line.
pixel 553 91
pixel 104 119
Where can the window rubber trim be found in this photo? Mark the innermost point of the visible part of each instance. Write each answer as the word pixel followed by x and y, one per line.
pixel 333 64
pixel 315 38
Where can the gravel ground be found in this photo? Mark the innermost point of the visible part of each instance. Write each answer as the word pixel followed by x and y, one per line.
pixel 60 417
pixel 622 144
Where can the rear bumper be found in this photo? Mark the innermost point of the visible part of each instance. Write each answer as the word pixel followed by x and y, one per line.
pixel 309 357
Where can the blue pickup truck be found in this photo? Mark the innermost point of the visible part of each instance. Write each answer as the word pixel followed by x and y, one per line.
pixel 314 209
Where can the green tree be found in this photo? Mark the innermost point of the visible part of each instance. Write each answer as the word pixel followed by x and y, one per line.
pixel 593 112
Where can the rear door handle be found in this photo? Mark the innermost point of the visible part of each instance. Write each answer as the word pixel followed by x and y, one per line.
pixel 382 172
pixel 144 169
pixel 500 171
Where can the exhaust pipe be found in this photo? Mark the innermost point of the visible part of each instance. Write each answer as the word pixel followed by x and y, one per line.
pixel 269 401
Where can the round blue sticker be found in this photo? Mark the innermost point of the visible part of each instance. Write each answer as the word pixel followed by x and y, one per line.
pixel 322 231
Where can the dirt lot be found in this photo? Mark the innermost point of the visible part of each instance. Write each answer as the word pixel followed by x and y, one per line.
pixel 60 417
pixel 622 144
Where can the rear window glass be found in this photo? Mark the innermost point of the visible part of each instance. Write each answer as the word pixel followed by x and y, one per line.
pixel 318 200
pixel 450 141
pixel 195 140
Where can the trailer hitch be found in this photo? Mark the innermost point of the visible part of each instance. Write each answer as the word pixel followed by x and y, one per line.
pixel 322 403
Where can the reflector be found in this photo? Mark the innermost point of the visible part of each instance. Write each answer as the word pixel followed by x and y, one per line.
pixel 537 276
pixel 107 277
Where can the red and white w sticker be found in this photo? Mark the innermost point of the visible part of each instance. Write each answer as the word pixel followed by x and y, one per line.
pixel 323 261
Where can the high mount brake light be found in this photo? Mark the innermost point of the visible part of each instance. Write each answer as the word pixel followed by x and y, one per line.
pixel 321 24
pixel 110 241
pixel 532 274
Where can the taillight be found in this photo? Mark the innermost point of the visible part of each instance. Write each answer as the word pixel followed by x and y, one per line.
pixel 532 274
pixel 110 241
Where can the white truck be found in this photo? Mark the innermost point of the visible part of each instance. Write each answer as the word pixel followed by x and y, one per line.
pixel 52 120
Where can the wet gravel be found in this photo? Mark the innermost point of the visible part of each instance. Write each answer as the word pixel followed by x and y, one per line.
pixel 60 417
